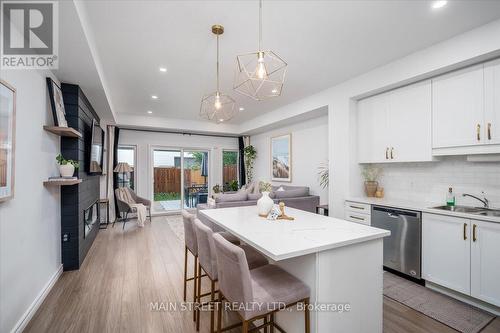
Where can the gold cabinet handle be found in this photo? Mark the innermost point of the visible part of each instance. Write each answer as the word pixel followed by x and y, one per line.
pixel 387 153
pixel 392 155
pixel 489 131
pixel 474 238
pixel 356 218
pixel 465 231
pixel 478 132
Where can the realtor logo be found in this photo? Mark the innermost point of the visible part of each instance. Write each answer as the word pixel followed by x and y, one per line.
pixel 29 35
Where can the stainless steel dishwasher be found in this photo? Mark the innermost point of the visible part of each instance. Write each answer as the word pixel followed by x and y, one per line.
pixel 402 249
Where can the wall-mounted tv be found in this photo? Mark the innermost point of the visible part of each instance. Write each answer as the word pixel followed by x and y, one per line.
pixel 96 149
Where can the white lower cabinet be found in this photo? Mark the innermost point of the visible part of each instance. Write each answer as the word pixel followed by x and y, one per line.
pixel 446 251
pixel 485 261
pixel 462 255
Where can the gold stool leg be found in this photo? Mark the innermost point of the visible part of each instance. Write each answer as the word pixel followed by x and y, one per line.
pixel 307 316
pixel 212 304
pixel 194 284
pixel 185 271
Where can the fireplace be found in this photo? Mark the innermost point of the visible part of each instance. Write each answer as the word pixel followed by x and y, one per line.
pixel 90 218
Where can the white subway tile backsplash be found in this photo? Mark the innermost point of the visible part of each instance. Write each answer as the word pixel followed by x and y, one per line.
pixel 429 182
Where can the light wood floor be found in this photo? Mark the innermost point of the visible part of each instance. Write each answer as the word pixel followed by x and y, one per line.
pixel 127 270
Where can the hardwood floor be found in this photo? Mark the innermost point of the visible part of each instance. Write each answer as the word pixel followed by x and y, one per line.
pixel 127 270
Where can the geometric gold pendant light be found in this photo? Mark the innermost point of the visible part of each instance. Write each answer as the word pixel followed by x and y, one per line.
pixel 260 75
pixel 217 106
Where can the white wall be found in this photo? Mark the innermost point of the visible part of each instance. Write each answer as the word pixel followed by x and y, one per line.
pixel 429 182
pixel 145 140
pixel 309 150
pixel 30 226
pixel 474 45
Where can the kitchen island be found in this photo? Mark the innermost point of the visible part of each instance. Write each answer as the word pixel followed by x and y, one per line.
pixel 339 260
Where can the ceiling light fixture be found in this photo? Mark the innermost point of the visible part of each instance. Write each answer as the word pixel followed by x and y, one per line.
pixel 150 112
pixel 242 109
pixel 154 97
pixel 163 69
pixel 439 4
pixel 217 106
pixel 260 74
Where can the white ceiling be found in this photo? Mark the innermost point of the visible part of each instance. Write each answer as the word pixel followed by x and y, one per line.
pixel 324 43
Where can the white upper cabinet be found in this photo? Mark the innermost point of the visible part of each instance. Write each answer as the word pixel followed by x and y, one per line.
pixel 492 102
pixel 409 123
pixel 396 126
pixel 372 134
pixel 458 108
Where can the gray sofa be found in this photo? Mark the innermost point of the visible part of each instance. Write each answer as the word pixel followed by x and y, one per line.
pixel 293 196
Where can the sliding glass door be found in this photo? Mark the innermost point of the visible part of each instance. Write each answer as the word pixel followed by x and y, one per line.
pixel 180 178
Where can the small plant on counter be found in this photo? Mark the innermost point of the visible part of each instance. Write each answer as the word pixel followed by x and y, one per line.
pixel 265 186
pixel 371 174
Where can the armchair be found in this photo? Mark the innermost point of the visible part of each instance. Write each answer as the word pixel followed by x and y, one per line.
pixel 125 208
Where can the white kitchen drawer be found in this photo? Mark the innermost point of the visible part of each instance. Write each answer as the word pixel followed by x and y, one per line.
pixel 359 208
pixel 357 217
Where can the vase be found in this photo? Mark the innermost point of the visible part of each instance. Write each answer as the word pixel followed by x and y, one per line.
pixel 371 188
pixel 67 170
pixel 264 204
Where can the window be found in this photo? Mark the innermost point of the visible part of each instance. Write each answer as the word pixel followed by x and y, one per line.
pixel 230 170
pixel 127 154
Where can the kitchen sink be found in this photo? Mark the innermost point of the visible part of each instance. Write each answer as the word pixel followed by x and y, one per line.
pixel 471 210
pixel 490 212
pixel 461 209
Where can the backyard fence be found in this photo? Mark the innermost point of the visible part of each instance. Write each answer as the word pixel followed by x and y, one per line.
pixel 229 172
pixel 168 180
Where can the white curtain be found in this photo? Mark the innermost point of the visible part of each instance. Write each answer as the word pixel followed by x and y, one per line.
pixel 110 172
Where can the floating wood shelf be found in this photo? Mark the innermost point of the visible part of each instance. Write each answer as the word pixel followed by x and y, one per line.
pixel 62 182
pixel 63 131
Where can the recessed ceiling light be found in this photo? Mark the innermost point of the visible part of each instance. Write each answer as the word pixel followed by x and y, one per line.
pixel 221 120
pixel 163 69
pixel 242 109
pixel 439 4
pixel 274 91
pixel 150 112
pixel 154 97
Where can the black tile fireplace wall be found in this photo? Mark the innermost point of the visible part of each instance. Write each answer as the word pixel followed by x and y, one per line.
pixel 75 199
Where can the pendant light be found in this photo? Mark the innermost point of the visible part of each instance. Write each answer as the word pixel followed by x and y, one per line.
pixel 260 75
pixel 217 107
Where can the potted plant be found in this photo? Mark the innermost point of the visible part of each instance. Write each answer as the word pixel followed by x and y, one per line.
pixel 371 174
pixel 233 185
pixel 265 203
pixel 66 167
pixel 250 154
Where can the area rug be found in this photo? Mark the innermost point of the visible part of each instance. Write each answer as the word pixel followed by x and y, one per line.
pixel 449 311
pixel 175 223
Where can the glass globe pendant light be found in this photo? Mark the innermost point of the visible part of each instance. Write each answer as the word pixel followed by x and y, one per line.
pixel 217 107
pixel 260 75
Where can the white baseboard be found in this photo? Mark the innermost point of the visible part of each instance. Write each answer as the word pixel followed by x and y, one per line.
pixel 30 312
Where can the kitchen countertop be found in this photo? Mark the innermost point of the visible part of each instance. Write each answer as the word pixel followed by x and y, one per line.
pixel 424 207
pixel 282 239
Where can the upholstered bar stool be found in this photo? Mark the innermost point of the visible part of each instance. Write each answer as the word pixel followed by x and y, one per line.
pixel 268 285
pixel 207 262
pixel 190 245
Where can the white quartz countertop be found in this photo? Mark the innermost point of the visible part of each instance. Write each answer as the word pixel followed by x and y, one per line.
pixel 282 239
pixel 425 207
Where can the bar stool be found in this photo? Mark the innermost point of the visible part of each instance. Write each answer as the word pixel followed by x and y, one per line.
pixel 207 262
pixel 268 285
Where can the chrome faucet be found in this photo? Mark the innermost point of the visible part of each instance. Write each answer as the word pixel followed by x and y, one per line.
pixel 485 201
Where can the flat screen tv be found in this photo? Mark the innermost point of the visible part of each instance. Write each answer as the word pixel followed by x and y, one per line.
pixel 96 149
